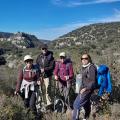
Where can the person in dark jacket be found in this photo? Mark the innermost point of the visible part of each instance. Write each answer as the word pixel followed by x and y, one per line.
pixel 26 83
pixel 63 73
pixel 89 77
pixel 46 64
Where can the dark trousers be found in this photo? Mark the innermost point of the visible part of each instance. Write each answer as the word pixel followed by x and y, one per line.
pixel 82 100
pixel 31 101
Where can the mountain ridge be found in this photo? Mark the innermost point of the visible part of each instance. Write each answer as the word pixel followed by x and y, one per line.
pixel 90 34
pixel 20 40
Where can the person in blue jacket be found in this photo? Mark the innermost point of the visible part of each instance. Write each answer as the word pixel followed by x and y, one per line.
pixel 104 80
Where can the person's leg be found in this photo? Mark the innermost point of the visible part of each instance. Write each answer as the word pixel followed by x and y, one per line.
pixel 46 82
pixel 32 103
pixel 66 91
pixel 79 102
pixel 76 109
pixel 26 102
pixel 60 85
pixel 87 108
pixel 75 115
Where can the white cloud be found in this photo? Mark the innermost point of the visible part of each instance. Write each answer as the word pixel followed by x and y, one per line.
pixel 73 3
pixel 52 33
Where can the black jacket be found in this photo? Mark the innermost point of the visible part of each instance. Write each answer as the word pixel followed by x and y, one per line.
pixel 47 62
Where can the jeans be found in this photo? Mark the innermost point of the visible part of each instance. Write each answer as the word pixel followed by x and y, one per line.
pixel 82 100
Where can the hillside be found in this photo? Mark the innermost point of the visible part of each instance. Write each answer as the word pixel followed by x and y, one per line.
pixel 93 35
pixel 101 41
pixel 19 40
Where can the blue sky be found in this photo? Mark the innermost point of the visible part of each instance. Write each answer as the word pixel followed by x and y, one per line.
pixel 49 19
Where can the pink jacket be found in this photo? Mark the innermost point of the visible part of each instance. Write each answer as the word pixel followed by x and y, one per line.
pixel 27 74
pixel 64 69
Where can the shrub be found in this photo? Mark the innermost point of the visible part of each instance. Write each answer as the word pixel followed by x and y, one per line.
pixel 12 109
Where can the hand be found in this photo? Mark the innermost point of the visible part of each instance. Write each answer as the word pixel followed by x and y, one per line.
pixel 83 90
pixel 39 82
pixel 56 77
pixel 16 93
pixel 67 77
pixel 42 70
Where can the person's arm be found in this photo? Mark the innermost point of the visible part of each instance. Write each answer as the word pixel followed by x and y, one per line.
pixel 38 76
pixel 19 79
pixel 56 70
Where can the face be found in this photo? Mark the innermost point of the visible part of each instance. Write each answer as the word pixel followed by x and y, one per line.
pixel 44 50
pixel 62 59
pixel 85 59
pixel 29 63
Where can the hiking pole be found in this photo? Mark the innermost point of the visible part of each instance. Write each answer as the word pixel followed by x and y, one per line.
pixel 56 85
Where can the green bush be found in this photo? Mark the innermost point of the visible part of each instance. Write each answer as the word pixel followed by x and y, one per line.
pixel 12 109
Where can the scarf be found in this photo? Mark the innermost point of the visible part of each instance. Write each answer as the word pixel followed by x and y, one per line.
pixel 86 65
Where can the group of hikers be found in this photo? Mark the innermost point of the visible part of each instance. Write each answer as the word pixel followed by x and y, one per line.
pixel 33 75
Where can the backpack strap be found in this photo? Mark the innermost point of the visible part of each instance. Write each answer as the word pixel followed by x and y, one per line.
pixel 87 70
pixel 35 68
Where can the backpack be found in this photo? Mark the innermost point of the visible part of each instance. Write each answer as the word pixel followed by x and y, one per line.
pixel 59 105
pixel 104 79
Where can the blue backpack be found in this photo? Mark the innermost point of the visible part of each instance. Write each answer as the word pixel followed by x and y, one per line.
pixel 104 79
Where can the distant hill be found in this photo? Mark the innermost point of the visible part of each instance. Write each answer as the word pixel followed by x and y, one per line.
pixel 101 34
pixel 5 34
pixel 19 40
pixel 45 41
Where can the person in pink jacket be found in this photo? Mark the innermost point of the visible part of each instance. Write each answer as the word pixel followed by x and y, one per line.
pixel 63 73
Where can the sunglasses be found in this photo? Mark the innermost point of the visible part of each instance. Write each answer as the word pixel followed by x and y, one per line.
pixel 44 48
pixel 84 58
pixel 62 57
